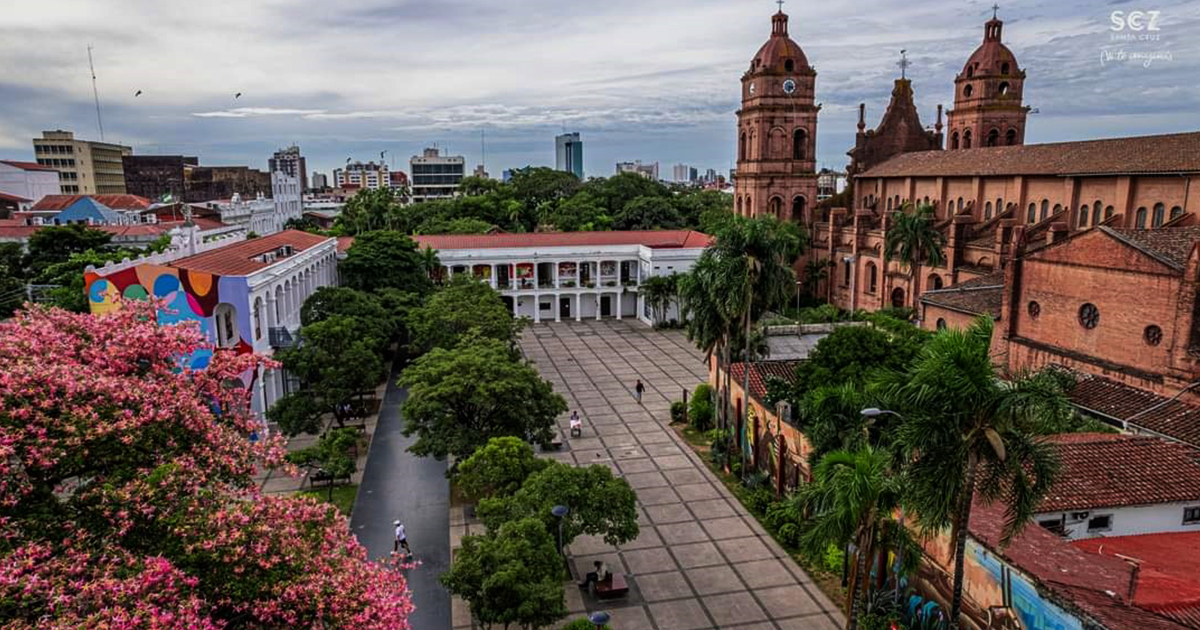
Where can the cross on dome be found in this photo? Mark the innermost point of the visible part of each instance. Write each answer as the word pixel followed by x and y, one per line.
pixel 903 63
pixel 780 3
pixel 995 11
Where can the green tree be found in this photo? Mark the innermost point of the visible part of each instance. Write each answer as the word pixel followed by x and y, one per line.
pixel 331 453
pixel 385 259
pixel 335 361
pixel 535 185
pixel 700 407
pixel 914 239
pixel 474 186
pixel 617 191
pixel 498 469
pixel 648 213
pixel 510 577
pixel 699 207
pixel 70 292
pixel 460 398
pixel 463 305
pixel 366 309
pixel 968 433
pixel 658 291
pixel 370 209
pixel 598 503
pixel 852 499
pixel 583 211
pixel 849 354
pixel 57 243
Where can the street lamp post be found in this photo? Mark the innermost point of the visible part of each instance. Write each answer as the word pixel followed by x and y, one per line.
pixel 560 512
pixel 599 618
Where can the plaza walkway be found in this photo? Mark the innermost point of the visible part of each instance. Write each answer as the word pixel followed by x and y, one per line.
pixel 399 485
pixel 701 560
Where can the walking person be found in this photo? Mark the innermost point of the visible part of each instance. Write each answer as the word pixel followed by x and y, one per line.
pixel 401 539
pixel 638 390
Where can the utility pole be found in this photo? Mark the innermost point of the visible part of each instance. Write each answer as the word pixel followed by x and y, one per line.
pixel 95 93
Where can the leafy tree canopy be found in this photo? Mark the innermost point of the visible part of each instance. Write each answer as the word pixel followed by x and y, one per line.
pixel 460 398
pixel 365 308
pixel 648 213
pixel 56 243
pixel 499 468
pixel 382 260
pixel 461 306
pixel 599 504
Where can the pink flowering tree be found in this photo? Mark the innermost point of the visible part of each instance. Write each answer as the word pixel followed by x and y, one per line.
pixel 127 497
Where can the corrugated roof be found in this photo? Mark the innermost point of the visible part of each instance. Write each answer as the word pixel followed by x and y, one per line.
pixel 760 371
pixel 7 197
pixel 116 202
pixel 26 166
pixel 1169 153
pixel 1102 470
pixel 239 259
pixel 1171 245
pixel 649 238
pixel 1167 578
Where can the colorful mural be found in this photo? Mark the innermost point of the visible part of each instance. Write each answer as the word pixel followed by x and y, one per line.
pixel 1036 612
pixel 188 296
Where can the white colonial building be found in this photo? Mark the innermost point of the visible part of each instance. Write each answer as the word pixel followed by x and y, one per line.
pixel 571 275
pixel 261 215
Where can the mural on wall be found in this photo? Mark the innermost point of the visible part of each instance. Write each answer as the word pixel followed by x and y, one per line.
pixel 188 296
pixel 1035 612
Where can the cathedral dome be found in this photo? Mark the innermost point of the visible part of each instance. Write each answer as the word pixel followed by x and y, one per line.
pixel 992 56
pixel 780 54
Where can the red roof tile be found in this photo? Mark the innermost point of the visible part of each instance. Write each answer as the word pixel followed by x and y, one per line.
pixel 238 259
pixel 1167 578
pixel 650 238
pixel 26 166
pixel 977 296
pixel 1151 470
pixel 1170 245
pixel 1077 577
pixel 344 243
pixel 7 197
pixel 1141 408
pixel 1170 153
pixel 116 202
pixel 760 371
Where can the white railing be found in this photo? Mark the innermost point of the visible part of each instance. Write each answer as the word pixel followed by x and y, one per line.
pixel 226 237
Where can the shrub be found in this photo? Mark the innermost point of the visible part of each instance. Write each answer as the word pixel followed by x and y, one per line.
pixel 833 559
pixel 701 409
pixel 584 624
pixel 678 410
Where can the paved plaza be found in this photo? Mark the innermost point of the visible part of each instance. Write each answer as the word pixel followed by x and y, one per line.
pixel 701 561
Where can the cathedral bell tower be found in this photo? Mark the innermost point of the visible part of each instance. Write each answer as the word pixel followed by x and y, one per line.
pixel 777 131
pixel 987 97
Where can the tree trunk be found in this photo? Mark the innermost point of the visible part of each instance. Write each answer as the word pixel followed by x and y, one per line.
pixel 960 539
pixel 860 567
pixel 746 388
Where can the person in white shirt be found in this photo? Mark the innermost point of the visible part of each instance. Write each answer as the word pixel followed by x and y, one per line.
pixel 401 539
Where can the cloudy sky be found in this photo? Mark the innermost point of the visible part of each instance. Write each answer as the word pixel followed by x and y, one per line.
pixel 651 80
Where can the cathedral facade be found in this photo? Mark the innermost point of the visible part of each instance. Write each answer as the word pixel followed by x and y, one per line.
pixel 777 131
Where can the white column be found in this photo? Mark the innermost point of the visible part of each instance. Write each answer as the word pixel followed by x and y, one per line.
pixel 578 304
pixel 557 307
pixel 619 298
pixel 537 308
pixel 260 392
pixel 535 276
pixel 516 305
pixel 578 274
pixel 598 306
pixel 269 389
pixel 492 277
pixel 270 306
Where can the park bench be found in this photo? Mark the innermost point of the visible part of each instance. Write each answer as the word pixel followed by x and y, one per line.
pixel 324 476
pixel 611 587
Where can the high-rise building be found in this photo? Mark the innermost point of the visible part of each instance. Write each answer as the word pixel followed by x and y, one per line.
pixel 684 174
pixel 359 175
pixel 649 171
pixel 153 176
pixel 436 176
pixel 568 154
pixel 84 167
pixel 291 162
pixel 320 181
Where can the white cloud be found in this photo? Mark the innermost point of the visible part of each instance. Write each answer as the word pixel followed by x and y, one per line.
pixel 248 112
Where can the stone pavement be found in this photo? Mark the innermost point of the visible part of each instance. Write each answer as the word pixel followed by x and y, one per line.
pixel 701 561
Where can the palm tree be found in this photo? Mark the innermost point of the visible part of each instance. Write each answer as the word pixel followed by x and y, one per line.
pixel 658 291
pixel 968 434
pixel 913 239
pixel 854 497
pixel 431 263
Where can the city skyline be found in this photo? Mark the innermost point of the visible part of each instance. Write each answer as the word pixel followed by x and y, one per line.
pixel 660 88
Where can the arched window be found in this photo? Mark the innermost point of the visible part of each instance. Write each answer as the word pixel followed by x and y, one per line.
pixel 775 207
pixel 1003 88
pixel 954 140
pixel 846 277
pixel 1045 210
pixel 872 278
pixel 1176 212
pixel 968 90
pixel 1010 138
pixel 1032 218
pixel 777 144
pixel 999 206
pixel 799 205
pixel 889 206
pixel 987 211
pixel 933 282
pixel 941 324
pixel 1140 220
pixel 1057 209
pixel 1160 214
pixel 739 206
pixel 1096 213
pixel 967 139
pixel 800 145
pixel 742 146
pixel 970 72
pixel 258 315
pixel 993 138
pixel 1083 215
pixel 960 204
pixel 1004 68
pixel 789 65
pixel 1108 212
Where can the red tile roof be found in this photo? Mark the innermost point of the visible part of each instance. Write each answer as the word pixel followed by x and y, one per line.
pixel 1170 245
pixel 344 243
pixel 116 202
pixel 238 259
pixel 650 238
pixel 1170 153
pixel 1075 576
pixel 760 371
pixel 7 197
pixel 1167 578
pixel 1110 470
pixel 26 166
pixel 1141 408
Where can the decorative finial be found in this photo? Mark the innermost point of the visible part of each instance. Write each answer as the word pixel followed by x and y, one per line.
pixel 903 63
pixel 995 10
pixel 780 3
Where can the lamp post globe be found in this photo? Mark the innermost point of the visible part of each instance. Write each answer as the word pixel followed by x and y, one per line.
pixel 599 618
